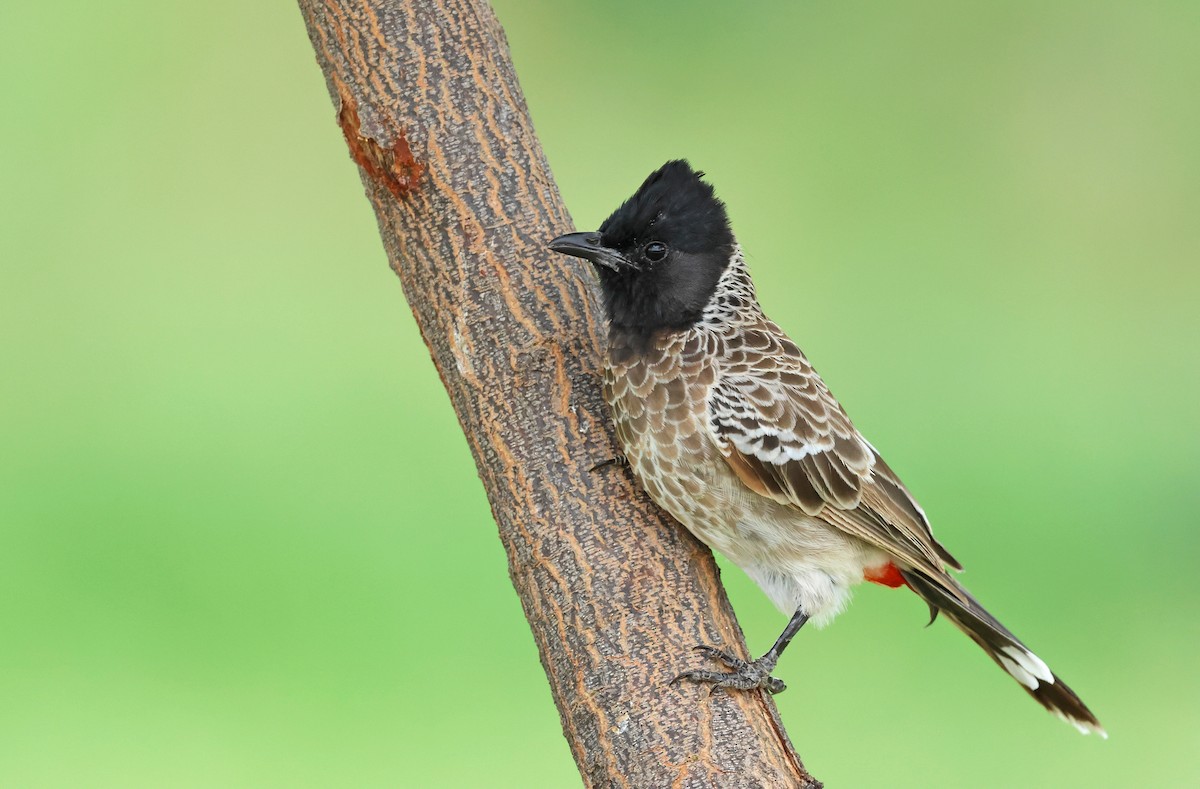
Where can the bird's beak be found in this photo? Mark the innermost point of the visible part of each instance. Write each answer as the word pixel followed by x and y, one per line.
pixel 588 247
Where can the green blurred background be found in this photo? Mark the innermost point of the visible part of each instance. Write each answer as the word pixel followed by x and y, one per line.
pixel 241 538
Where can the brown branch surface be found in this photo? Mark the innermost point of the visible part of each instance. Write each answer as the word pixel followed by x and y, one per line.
pixel 615 592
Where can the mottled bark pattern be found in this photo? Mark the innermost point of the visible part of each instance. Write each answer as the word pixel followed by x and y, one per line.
pixel 615 593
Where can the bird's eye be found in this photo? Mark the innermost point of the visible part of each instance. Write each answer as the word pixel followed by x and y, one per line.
pixel 655 251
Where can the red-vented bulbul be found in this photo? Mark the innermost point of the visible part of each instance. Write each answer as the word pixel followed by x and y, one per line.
pixel 728 427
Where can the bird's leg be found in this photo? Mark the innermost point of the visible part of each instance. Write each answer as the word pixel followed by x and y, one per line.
pixel 748 675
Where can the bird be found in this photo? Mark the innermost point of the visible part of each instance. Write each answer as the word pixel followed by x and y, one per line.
pixel 726 425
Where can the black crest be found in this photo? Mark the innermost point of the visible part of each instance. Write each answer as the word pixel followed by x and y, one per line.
pixel 672 202
pixel 673 241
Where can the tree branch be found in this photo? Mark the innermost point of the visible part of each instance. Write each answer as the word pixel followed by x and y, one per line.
pixel 615 592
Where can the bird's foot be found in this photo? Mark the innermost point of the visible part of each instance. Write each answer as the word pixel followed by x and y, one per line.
pixel 616 460
pixel 742 676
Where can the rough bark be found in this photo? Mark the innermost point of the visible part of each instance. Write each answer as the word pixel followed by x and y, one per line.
pixel 616 593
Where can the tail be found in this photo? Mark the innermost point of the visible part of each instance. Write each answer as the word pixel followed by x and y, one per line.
pixel 1004 648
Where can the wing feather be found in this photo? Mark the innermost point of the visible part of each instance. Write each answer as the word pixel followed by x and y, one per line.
pixel 786 437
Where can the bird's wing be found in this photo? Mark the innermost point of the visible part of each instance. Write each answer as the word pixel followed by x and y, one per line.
pixel 787 438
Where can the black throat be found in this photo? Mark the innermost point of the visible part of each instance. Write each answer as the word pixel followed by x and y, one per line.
pixel 643 307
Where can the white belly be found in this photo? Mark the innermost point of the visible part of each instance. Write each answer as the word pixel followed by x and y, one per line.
pixel 798 560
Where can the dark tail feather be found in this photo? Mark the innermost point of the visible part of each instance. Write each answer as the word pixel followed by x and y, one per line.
pixel 1008 652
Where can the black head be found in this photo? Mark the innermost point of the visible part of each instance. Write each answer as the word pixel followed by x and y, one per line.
pixel 661 253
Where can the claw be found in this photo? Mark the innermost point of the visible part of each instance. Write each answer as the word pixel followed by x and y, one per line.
pixel 616 460
pixel 720 656
pixel 744 675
